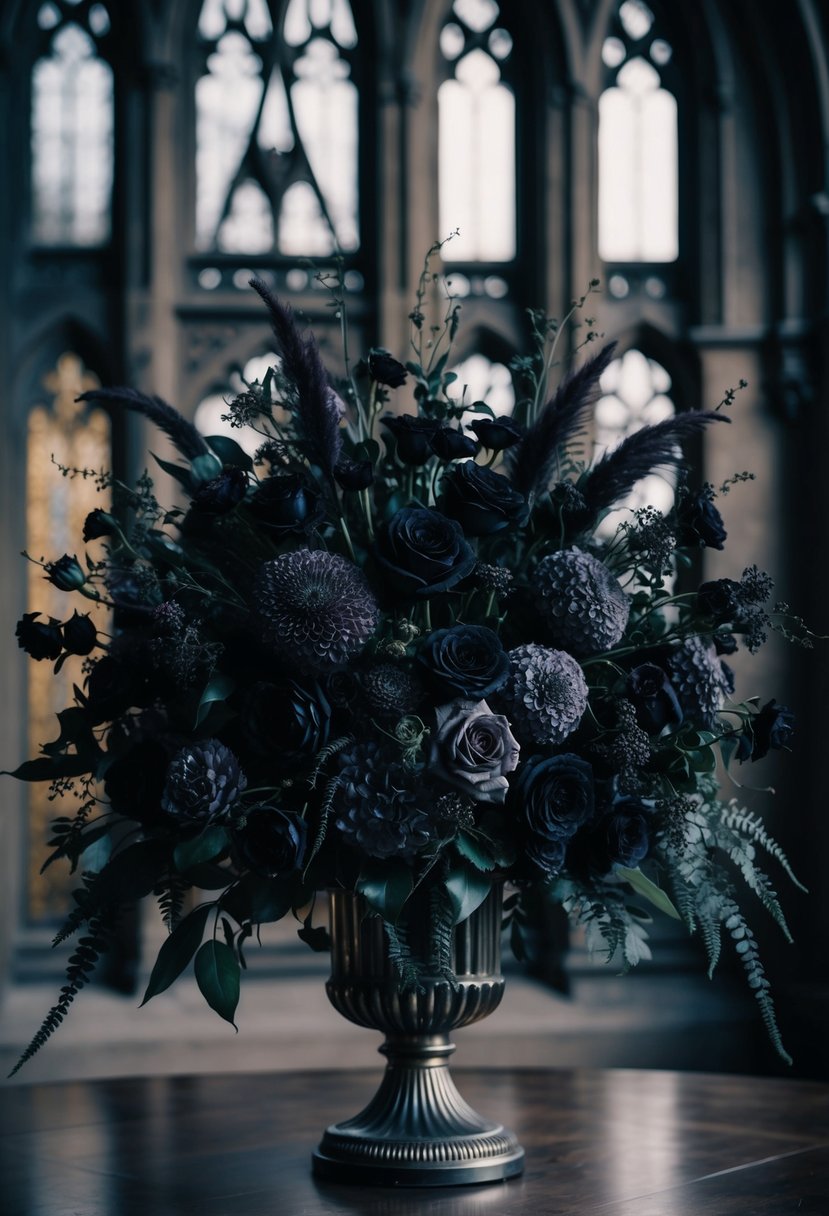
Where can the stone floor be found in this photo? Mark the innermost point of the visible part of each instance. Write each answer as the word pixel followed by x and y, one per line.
pixel 655 1021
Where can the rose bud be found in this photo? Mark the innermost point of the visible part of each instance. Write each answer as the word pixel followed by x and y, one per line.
pixel 66 573
pixel 39 639
pixel 700 523
pixel 353 475
pixel 272 842
pixel 412 436
pixel 79 634
pixel 481 500
pixel 99 523
pixel 287 502
pixel 654 698
pixel 496 434
pixel 222 493
pixel 449 444
pixel 385 369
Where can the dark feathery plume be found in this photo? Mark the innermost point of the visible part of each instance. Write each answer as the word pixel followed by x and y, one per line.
pixel 615 475
pixel 184 435
pixel 532 463
pixel 316 406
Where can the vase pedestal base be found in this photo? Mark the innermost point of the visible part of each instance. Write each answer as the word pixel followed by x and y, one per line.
pixel 418 1130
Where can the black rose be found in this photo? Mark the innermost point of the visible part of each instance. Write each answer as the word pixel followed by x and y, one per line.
pixel 385 369
pixel 424 552
pixel 718 599
pixel 285 722
pixel 80 634
pixel 40 639
pixel 135 780
pixel 556 797
pixel 354 474
pixel 222 493
pixel 496 434
pixel 287 502
pixel 98 523
pixel 772 727
pixel 654 698
pixel 412 436
pixel 625 836
pixel 66 573
pixel 700 523
pixel 481 500
pixel 450 444
pixel 465 660
pixel 272 842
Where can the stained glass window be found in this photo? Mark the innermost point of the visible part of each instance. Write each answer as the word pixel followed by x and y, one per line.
pixel 635 393
pixel 277 129
pixel 476 135
pixel 72 128
pixel 479 379
pixel 65 431
pixel 638 153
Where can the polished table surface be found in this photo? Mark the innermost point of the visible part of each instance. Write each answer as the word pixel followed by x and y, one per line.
pixel 614 1143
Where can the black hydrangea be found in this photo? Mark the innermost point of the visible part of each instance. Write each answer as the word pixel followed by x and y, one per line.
pixel 701 679
pixel 316 608
pixel 204 782
pixel 581 602
pixel 379 804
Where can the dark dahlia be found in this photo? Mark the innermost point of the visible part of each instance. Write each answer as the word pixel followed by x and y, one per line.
pixel 316 608
pixel 204 782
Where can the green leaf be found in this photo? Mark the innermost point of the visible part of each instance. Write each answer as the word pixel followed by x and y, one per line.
pixel 728 747
pixel 643 886
pixel 473 848
pixel 205 468
pixel 75 728
pixel 218 688
pixel 217 975
pixel 480 407
pixel 177 951
pixel 231 454
pixel 257 899
pixel 204 847
pixel 48 768
pixel 177 471
pixel 385 885
pixel 467 889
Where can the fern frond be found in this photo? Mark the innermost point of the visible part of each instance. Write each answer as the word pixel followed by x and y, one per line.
pixel 751 826
pixel 408 969
pixel 441 936
pixel 170 894
pixel 325 754
pixel 322 827
pixel 746 947
pixel 741 853
pixel 709 927
pixel 79 971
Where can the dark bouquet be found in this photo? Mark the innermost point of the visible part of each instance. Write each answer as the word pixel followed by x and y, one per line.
pixel 391 652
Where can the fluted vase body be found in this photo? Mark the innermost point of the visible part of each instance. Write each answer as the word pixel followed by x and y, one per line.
pixel 417 1130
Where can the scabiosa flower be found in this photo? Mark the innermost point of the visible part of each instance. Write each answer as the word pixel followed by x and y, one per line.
pixel 203 783
pixel 580 601
pixel 546 694
pixel 316 608
pixel 377 803
pixel 701 679
pixel 392 690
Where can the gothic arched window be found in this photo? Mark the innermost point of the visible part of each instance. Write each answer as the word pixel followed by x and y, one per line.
pixel 276 129
pixel 481 379
pixel 71 126
pixel 477 135
pixel 638 143
pixel 635 393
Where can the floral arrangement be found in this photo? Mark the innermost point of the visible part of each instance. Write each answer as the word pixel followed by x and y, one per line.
pixel 391 652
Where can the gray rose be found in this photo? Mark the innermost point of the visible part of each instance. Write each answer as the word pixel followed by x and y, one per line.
pixel 473 749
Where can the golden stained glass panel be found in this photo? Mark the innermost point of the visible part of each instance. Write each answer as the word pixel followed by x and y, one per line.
pixel 64 432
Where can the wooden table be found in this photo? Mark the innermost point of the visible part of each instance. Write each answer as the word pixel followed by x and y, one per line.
pixel 614 1143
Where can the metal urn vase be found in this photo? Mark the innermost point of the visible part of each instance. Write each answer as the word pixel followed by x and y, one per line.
pixel 417 1130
